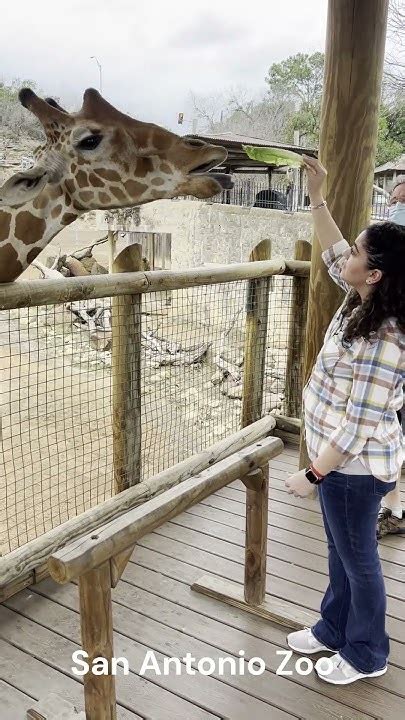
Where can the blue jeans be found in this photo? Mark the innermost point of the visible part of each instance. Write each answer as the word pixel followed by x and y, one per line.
pixel 354 605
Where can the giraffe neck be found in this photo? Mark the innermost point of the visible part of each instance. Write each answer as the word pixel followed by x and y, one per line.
pixel 26 230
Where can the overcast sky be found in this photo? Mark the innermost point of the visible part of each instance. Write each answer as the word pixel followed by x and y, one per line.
pixel 154 53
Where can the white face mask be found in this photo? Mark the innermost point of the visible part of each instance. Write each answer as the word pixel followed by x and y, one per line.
pixel 396 213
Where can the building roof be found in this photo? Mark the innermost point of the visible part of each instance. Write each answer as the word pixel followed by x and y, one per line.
pixel 397 165
pixel 237 160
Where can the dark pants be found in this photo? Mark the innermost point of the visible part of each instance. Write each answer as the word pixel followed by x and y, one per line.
pixel 354 605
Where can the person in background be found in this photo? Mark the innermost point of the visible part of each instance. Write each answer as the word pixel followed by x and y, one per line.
pixel 353 438
pixel 391 518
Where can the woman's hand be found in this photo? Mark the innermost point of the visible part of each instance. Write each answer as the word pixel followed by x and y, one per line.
pixel 316 175
pixel 298 485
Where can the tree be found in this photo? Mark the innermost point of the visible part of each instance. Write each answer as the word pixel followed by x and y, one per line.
pixel 389 146
pixel 299 79
pixel 15 120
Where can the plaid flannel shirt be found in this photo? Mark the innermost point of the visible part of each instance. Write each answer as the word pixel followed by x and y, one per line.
pixel 351 398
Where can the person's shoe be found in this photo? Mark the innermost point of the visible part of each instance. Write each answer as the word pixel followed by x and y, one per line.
pixel 303 641
pixel 338 671
pixel 388 524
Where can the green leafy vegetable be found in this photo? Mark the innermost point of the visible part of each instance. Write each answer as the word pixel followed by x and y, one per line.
pixel 274 156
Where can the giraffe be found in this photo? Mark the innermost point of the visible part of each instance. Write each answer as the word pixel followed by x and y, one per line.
pixel 97 158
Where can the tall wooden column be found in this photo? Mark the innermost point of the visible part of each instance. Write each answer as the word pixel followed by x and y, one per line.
pixel 355 43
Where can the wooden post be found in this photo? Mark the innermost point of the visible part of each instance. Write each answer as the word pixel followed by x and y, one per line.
pixel 126 373
pixel 255 338
pixel 257 489
pixel 97 641
pixel 355 42
pixel 296 338
pixel 257 499
pixel 112 244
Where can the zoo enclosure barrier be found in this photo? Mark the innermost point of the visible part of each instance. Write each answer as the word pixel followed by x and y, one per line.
pixel 109 380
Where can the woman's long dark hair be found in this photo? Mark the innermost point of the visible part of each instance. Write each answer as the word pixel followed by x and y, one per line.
pixel 385 247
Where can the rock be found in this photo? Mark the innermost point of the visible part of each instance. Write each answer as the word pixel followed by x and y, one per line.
pixel 233 391
pixel 101 340
pixel 217 377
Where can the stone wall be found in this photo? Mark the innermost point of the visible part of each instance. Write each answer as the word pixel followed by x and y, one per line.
pixel 204 233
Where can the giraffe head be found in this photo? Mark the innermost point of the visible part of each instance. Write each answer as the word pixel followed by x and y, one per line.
pixel 100 158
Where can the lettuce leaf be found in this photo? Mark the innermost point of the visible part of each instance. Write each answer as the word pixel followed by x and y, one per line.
pixel 274 156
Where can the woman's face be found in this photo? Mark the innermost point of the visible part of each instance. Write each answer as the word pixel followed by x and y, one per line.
pixel 356 272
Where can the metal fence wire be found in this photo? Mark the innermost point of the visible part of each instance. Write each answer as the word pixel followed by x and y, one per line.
pixel 56 457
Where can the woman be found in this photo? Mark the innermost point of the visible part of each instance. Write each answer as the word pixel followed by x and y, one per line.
pixel 391 520
pixel 353 437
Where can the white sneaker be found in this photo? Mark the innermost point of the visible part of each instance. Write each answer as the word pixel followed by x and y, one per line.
pixel 303 641
pixel 338 671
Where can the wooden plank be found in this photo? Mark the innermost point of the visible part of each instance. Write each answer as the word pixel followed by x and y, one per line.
pixel 288 566
pixel 150 578
pixel 126 376
pixel 282 544
pixel 30 293
pixel 13 703
pixel 97 641
pixel 139 694
pixel 118 564
pixel 29 675
pixel 272 609
pixel 110 539
pixel 20 562
pixel 166 696
pixel 171 558
pixel 206 637
pixel 54 707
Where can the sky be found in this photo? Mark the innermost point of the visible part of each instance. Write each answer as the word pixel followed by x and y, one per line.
pixel 155 53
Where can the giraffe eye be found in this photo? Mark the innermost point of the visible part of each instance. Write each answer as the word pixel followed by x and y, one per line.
pixel 90 142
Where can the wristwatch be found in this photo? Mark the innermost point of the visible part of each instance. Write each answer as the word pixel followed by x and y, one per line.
pixel 313 475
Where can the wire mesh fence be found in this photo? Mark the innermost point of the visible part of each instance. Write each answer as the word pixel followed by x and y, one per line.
pixel 285 196
pixel 56 399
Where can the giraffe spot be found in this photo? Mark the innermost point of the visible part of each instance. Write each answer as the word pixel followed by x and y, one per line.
pixel 58 146
pixel 56 211
pixel 126 167
pixel 156 194
pixel 104 198
pixel 10 266
pixel 143 167
pixel 158 181
pixel 82 179
pixel 86 196
pixel 82 161
pixel 29 228
pixel 73 168
pixel 4 226
pixel 70 186
pixel 162 141
pixel 108 174
pixel 33 254
pixel 165 167
pixel 55 191
pixel 134 188
pixel 68 218
pixel 95 181
pixel 41 201
pixel 117 192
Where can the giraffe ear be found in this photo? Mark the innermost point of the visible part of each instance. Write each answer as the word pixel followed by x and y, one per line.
pixel 23 187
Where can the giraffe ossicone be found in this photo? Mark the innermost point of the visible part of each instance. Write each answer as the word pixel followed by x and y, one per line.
pixel 97 158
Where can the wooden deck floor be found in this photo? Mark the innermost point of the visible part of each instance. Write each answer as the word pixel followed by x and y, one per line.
pixel 155 609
